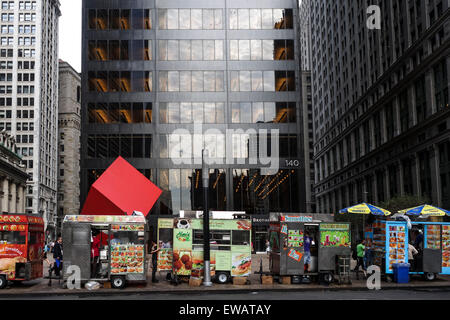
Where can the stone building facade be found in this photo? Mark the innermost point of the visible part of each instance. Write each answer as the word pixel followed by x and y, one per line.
pixel 381 102
pixel 13 177
pixel 69 121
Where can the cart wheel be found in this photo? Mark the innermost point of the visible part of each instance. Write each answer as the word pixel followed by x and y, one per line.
pixel 222 277
pixel 3 282
pixel 328 277
pixel 118 282
pixel 429 276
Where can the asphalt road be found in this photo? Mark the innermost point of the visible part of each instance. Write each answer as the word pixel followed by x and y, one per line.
pixel 416 294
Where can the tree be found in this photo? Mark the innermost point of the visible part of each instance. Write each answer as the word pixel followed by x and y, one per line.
pixel 398 203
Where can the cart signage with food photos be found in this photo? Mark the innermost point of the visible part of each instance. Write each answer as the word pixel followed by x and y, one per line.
pixel 21 247
pixel 335 240
pixel 230 246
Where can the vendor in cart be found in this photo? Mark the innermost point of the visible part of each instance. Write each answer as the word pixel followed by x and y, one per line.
pixel 95 252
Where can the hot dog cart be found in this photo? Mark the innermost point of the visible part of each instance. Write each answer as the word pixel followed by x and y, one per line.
pixel 390 245
pixel 122 248
pixel 181 240
pixel 330 240
pixel 21 247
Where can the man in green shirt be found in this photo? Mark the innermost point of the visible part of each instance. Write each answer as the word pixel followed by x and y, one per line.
pixel 360 258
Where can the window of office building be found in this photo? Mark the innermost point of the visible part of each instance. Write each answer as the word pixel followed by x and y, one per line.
pixel 191 112
pixel 108 146
pixel 191 81
pixel 120 19
pixel 190 50
pixel 278 191
pixel 253 19
pixel 120 112
pixel 190 19
pixel 268 81
pixel 134 50
pixel 261 50
pixel 120 81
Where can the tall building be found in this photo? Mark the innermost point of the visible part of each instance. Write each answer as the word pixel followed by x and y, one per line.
pixel 306 106
pixel 29 95
pixel 308 140
pixel 163 79
pixel 381 101
pixel 69 131
pixel 305 34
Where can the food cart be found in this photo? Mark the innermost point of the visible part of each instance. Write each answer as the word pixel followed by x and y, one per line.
pixel 122 251
pixel 390 239
pixel 181 242
pixel 21 247
pixel 286 234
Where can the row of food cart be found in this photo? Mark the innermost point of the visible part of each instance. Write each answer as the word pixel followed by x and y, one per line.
pixel 123 250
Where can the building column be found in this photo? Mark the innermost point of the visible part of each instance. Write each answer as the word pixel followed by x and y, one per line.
pixel 416 174
pixel 396 106
pixel 401 178
pixel 375 188
pixel 372 134
pixel 21 204
pixel 435 176
pixel 383 126
pixel 344 150
pixel 362 138
pixel 353 146
pixel 387 192
pixel 412 103
pixel 13 206
pixel 429 91
pixel 5 200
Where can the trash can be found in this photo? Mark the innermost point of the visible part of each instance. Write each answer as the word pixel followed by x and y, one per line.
pixel 401 272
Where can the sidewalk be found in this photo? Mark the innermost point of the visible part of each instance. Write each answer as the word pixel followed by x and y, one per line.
pixel 40 287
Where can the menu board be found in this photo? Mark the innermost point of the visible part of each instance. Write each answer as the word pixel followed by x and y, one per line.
pixel 446 246
pixel 127 258
pixel 127 227
pixel 397 245
pixel 295 238
pixel 434 237
pixel 165 259
pixel 335 235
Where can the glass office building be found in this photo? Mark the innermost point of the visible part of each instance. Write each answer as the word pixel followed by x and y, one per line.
pixel 163 80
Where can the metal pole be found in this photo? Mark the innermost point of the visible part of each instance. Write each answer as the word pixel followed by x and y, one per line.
pixel 206 254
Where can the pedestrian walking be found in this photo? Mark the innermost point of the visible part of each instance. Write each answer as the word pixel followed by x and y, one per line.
pixel 58 256
pixel 360 250
pixel 307 250
pixel 154 253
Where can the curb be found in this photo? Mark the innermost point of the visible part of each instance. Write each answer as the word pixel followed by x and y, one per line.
pixel 112 292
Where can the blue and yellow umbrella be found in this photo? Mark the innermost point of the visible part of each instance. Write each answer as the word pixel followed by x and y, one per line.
pixel 426 210
pixel 365 208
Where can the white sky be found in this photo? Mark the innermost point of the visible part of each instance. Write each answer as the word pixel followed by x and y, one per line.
pixel 70 33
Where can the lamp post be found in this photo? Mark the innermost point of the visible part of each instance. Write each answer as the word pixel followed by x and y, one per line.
pixel 206 254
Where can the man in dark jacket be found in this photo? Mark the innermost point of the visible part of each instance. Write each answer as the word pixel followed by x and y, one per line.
pixel 58 256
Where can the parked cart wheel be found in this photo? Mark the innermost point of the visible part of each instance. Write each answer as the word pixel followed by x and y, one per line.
pixel 328 277
pixel 429 276
pixel 222 277
pixel 3 282
pixel 118 282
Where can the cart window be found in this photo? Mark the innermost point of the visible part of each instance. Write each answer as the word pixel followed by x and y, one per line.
pixel 34 238
pixel 12 237
pixel 241 237
pixel 198 237
pixel 220 237
pixel 126 237
pixel 166 237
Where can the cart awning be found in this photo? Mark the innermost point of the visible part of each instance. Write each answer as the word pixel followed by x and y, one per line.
pixel 120 190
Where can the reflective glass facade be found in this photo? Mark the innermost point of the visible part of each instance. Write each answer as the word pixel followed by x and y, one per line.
pixel 163 80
